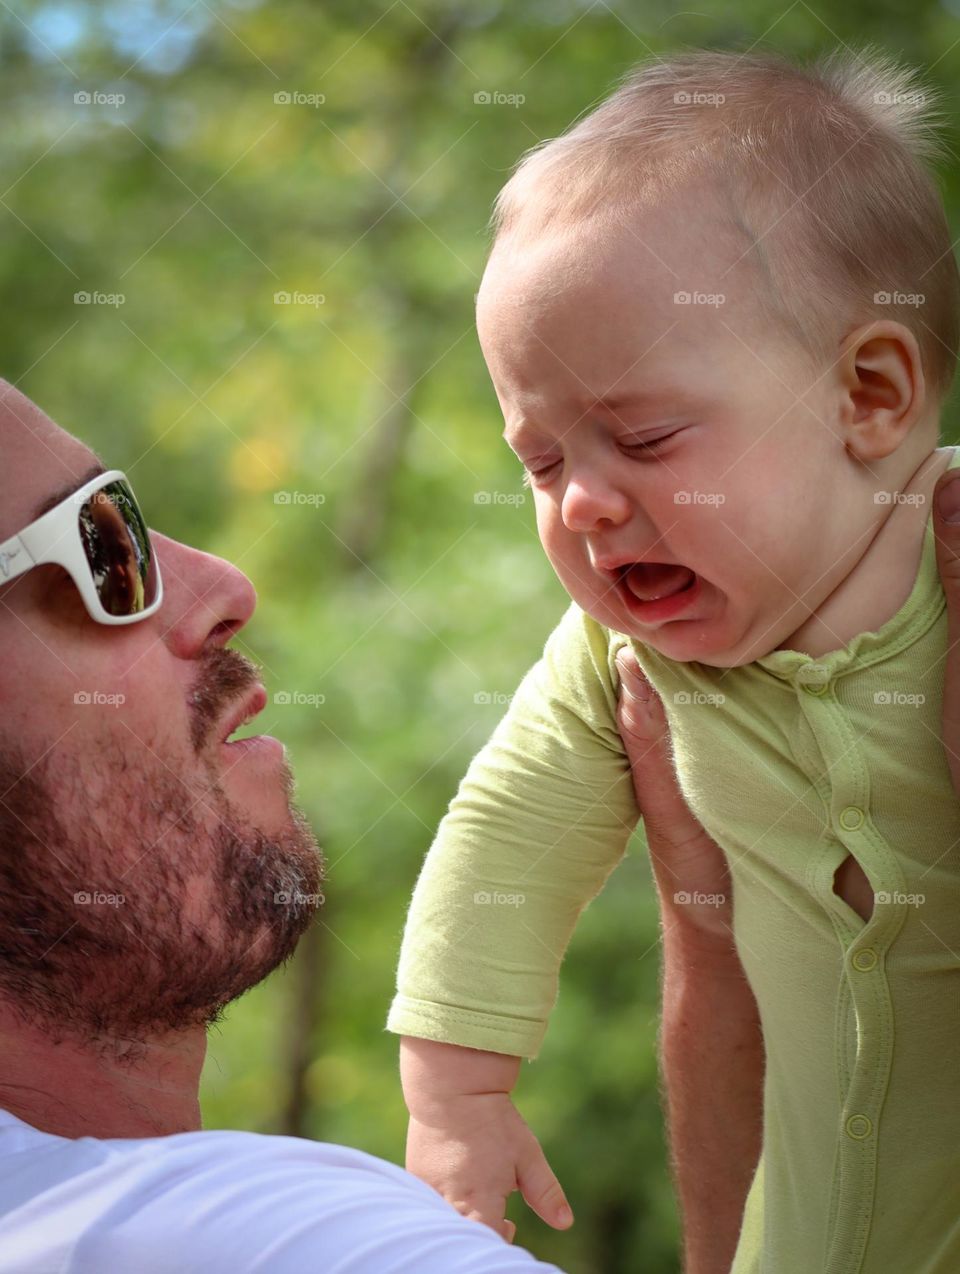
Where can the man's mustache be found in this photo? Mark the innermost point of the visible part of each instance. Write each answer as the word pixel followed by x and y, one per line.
pixel 223 677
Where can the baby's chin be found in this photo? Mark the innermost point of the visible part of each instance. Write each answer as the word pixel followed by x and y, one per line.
pixel 699 638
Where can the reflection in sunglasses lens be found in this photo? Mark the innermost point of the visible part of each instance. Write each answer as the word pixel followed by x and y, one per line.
pixel 118 550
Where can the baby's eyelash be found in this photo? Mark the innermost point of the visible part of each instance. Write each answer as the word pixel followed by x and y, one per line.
pixel 643 448
pixel 650 446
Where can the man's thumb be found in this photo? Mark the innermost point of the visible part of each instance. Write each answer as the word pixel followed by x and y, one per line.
pixel 639 709
pixel 542 1191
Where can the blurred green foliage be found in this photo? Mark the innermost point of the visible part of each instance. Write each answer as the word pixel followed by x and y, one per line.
pixel 384 586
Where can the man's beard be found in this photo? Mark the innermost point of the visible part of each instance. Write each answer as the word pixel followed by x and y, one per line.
pixel 133 903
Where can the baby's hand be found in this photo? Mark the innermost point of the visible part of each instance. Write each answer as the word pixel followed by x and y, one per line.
pixel 475 1150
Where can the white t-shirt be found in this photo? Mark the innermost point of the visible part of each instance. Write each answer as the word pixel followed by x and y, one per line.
pixel 227 1203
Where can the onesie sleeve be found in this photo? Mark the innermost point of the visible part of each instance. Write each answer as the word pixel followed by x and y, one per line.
pixel 540 820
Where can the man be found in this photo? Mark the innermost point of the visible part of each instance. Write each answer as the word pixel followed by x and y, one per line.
pixel 150 872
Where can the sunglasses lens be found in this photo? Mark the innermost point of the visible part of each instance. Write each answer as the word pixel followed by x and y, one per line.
pixel 118 549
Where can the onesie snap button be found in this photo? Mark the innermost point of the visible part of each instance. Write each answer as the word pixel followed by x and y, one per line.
pixel 858 1127
pixel 865 960
pixel 851 818
pixel 813 678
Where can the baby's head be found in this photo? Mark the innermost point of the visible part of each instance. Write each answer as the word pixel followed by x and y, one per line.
pixel 721 314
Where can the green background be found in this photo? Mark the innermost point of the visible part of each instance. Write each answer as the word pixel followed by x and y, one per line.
pixel 385 587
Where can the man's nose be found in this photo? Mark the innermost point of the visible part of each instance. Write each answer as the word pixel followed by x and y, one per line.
pixel 205 599
pixel 590 499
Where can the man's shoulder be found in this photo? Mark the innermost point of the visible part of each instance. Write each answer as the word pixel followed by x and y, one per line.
pixel 238 1201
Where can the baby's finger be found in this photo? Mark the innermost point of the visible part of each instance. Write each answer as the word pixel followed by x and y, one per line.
pixel 541 1189
pixel 488 1211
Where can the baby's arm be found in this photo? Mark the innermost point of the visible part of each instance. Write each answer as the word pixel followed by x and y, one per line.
pixel 540 820
pixel 467 1139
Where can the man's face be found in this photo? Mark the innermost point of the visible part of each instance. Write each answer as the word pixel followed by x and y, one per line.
pixel 116 782
pixel 595 361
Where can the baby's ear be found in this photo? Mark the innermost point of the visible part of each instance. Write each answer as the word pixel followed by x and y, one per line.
pixel 883 388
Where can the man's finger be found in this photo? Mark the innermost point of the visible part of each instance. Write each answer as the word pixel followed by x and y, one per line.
pixel 946 506
pixel 646 736
pixel 686 861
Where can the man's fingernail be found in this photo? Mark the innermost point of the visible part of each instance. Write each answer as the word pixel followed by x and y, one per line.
pixel 564 1215
pixel 948 500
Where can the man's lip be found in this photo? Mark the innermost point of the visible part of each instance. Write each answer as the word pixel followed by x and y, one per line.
pixel 244 711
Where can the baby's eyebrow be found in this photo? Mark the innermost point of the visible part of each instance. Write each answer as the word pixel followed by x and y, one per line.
pixel 643 402
pixel 646 400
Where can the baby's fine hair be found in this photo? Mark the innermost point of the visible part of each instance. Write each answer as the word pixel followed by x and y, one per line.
pixel 825 172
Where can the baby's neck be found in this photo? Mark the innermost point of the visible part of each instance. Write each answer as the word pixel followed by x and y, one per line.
pixel 880 583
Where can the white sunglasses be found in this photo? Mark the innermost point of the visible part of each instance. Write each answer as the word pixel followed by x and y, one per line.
pixel 99 536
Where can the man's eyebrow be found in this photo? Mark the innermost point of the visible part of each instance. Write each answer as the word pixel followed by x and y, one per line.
pixel 51 501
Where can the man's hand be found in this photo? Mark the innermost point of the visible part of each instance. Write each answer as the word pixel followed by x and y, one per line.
pixel 712 1053
pixel 684 858
pixel 947 536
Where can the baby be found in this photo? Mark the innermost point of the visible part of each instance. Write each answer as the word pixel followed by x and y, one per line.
pixel 721 315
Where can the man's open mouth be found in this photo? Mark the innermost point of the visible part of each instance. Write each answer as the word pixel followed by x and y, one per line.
pixel 243 712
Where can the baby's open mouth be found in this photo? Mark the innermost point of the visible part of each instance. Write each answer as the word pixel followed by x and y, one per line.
pixel 651 581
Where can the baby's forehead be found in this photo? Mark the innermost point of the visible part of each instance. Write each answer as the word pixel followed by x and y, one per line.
pixel 684 242
pixel 640 274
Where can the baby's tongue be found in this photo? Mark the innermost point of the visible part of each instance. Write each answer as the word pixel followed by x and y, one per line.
pixel 649 581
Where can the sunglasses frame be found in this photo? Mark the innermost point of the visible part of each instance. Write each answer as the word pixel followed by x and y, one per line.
pixel 54 538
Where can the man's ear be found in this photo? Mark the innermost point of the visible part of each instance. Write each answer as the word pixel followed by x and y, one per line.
pixel 883 388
